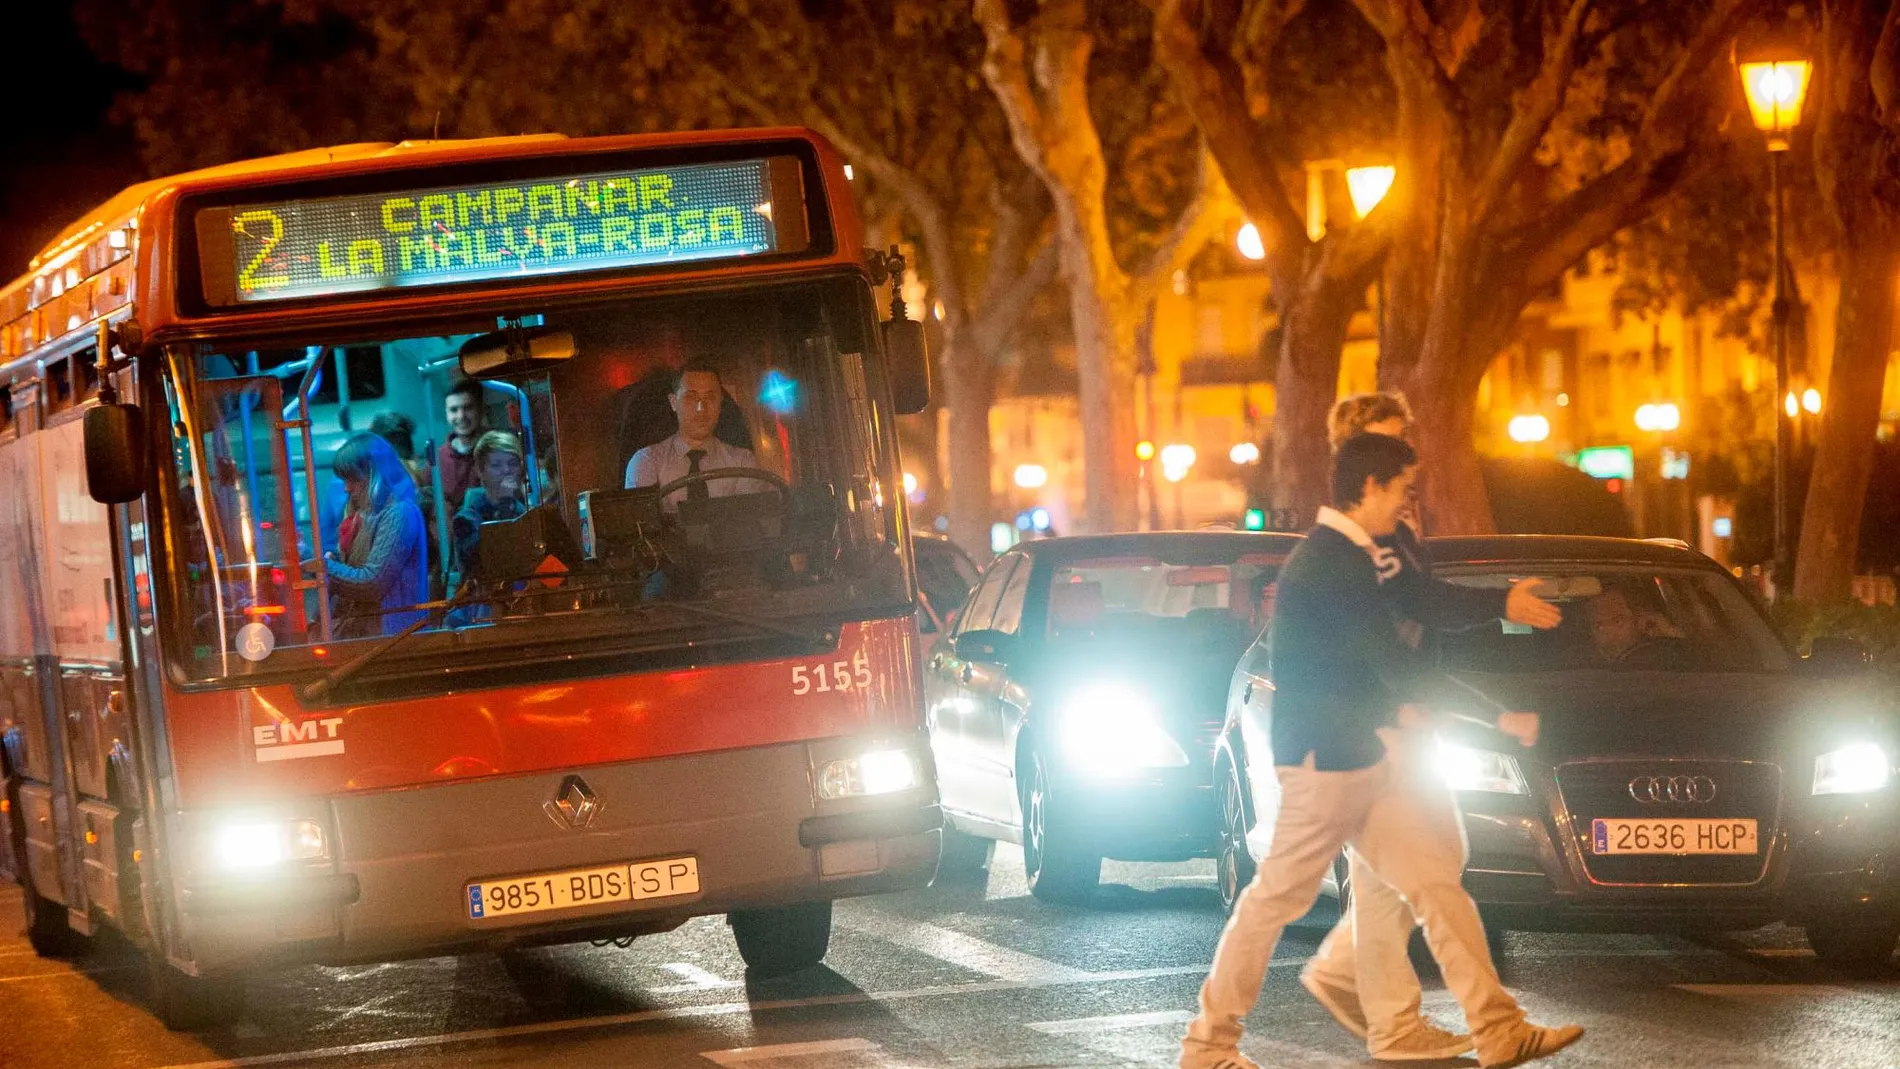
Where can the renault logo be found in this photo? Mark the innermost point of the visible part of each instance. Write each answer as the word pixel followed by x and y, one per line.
pixel 574 805
pixel 1684 789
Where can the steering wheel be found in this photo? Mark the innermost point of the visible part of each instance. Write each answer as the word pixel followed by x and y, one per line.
pixel 757 474
pixel 1653 652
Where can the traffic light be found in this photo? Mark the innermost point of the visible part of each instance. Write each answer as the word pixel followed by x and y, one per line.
pixel 1144 450
pixel 1254 520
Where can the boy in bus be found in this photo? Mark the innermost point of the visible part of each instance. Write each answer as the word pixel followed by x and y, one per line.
pixel 497 494
pixel 383 561
pixel 697 397
pixel 455 458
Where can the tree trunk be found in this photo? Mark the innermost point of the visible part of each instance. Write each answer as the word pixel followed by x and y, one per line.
pixel 969 383
pixel 1305 387
pixel 1105 370
pixel 1844 458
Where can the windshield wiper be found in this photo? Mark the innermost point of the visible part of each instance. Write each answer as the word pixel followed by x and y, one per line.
pixel 344 672
pixel 824 637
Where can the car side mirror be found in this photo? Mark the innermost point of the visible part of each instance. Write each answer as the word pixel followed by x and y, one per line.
pixel 115 453
pixel 1835 655
pixel 908 356
pixel 985 646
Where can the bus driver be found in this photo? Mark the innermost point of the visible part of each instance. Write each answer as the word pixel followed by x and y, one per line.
pixel 697 397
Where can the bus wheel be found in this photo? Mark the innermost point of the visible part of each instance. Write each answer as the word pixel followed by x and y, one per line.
pixel 186 1003
pixel 774 942
pixel 46 927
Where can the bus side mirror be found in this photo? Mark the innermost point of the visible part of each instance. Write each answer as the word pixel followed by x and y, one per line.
pixel 909 357
pixel 115 453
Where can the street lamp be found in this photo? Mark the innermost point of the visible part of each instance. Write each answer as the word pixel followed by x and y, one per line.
pixel 1529 429
pixel 1249 243
pixel 1368 186
pixel 1777 85
pixel 1660 417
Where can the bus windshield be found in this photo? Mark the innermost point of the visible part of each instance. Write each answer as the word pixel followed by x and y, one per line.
pixel 663 470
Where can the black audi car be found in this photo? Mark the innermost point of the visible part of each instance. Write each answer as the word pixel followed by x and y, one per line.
pixel 1075 708
pixel 1693 773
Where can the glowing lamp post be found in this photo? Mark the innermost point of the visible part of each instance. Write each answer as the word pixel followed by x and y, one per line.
pixel 1368 186
pixel 1658 418
pixel 1529 430
pixel 1777 85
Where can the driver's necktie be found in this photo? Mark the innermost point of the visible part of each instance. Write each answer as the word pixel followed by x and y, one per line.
pixel 697 491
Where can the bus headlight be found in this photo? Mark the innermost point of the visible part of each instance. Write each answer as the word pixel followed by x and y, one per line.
pixel 870 773
pixel 1110 728
pixel 251 845
pixel 1466 768
pixel 1854 769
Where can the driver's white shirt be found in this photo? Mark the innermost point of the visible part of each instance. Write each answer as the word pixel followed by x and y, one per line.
pixel 663 462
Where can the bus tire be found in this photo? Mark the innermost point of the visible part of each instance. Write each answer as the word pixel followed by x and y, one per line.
pixel 47 930
pixel 186 1003
pixel 778 941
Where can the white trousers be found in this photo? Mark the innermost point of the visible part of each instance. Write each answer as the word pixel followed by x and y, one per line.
pixel 1373 810
pixel 1368 949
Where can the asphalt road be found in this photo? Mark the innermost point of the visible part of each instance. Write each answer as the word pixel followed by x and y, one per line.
pixel 974 977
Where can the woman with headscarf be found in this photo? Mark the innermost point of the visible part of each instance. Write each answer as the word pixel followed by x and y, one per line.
pixel 382 562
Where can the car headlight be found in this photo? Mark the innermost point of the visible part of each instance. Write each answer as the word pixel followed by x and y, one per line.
pixel 241 846
pixel 1466 768
pixel 1110 728
pixel 869 773
pixel 1855 769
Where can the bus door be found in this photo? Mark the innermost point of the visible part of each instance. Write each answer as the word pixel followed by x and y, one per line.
pixel 243 480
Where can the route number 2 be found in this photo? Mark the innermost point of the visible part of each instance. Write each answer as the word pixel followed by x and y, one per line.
pixel 822 678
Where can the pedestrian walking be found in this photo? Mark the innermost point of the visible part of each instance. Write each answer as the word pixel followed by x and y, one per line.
pixel 1362 973
pixel 1341 676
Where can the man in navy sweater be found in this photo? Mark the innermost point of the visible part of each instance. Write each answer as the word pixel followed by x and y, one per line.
pixel 1340 676
pixel 1363 973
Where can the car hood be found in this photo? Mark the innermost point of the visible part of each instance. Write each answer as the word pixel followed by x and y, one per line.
pixel 1744 716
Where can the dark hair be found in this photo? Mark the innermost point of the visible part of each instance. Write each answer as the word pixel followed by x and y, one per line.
pixel 1379 457
pixel 696 365
pixel 467 386
pixel 396 429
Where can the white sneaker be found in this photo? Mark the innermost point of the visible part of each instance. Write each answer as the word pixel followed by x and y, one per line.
pixel 1426 1042
pixel 1525 1042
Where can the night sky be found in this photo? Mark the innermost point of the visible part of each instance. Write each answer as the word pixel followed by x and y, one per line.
pixel 63 154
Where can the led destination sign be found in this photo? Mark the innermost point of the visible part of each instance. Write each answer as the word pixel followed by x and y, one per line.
pixel 472 233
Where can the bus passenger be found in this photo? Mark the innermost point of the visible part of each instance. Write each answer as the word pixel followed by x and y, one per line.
pixel 497 495
pixel 399 431
pixel 384 561
pixel 697 397
pixel 456 456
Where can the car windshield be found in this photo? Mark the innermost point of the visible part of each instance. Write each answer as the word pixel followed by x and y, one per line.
pixel 647 461
pixel 1145 599
pixel 1620 619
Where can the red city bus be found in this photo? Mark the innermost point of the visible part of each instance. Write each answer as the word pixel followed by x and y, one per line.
pixel 454 545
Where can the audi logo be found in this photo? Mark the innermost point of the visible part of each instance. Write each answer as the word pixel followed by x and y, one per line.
pixel 1651 789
